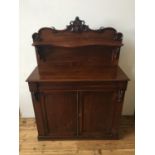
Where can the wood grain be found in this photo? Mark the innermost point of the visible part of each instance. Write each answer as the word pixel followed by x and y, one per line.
pixel 84 62
pixel 29 145
pixel 73 74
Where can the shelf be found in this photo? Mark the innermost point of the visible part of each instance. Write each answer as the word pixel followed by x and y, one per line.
pixel 78 43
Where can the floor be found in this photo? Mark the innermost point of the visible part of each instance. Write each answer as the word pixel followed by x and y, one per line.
pixel 29 145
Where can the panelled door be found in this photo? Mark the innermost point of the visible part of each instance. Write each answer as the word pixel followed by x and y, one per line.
pixel 60 113
pixel 96 110
pixel 78 114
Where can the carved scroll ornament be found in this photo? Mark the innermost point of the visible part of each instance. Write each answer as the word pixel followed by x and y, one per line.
pixel 78 26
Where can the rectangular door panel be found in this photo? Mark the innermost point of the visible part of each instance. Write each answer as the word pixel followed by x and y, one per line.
pixel 96 112
pixel 61 113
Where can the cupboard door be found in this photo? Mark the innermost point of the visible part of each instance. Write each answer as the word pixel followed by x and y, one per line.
pixel 60 111
pixel 96 113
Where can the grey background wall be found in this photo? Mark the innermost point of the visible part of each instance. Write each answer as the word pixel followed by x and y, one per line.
pixel 35 14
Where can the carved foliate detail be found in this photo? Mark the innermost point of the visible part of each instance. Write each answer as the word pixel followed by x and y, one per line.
pixel 77 26
pixel 36 37
pixel 118 36
pixel 36 96
pixel 34 88
pixel 115 54
pixel 120 95
pixel 41 54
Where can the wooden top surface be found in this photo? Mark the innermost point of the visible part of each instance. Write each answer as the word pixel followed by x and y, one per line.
pixel 70 74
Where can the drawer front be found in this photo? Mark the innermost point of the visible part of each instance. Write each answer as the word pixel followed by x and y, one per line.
pixel 77 86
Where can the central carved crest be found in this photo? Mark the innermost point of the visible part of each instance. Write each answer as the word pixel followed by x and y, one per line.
pixel 78 26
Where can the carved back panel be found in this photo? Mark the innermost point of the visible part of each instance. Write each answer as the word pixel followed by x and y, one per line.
pixel 77 46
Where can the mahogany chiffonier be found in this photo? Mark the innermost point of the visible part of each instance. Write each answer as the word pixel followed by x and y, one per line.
pixel 77 87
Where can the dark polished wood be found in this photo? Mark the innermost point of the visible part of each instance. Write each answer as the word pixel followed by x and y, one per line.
pixel 68 74
pixel 96 112
pixel 77 88
pixel 60 113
